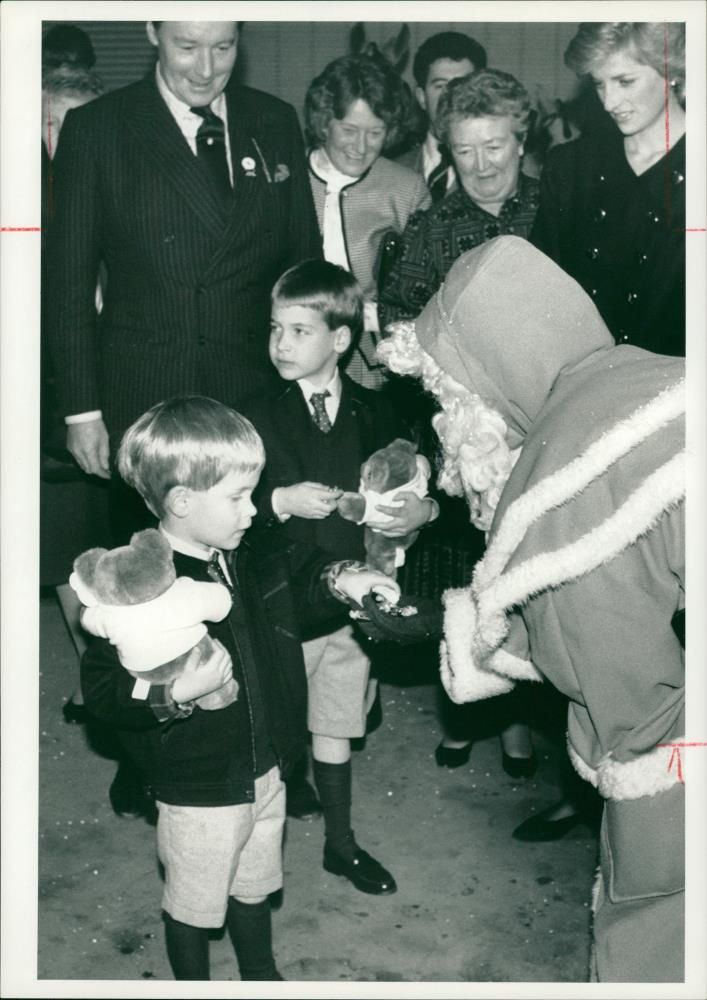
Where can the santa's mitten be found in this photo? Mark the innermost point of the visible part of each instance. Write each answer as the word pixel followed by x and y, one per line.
pixel 411 620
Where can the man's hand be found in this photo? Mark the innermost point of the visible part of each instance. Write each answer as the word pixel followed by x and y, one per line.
pixel 312 500
pixel 408 512
pixel 88 443
pixel 211 674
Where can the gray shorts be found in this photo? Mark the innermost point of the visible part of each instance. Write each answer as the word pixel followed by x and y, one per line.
pixel 212 852
pixel 337 675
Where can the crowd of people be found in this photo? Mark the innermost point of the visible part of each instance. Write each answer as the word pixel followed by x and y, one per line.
pixel 233 316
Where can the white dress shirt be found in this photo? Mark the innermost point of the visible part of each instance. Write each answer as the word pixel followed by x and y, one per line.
pixel 196 551
pixel 431 156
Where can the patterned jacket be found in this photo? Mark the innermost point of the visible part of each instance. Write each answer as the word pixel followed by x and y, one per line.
pixel 433 240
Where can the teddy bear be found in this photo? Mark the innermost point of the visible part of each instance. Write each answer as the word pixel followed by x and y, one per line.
pixel 133 598
pixel 397 468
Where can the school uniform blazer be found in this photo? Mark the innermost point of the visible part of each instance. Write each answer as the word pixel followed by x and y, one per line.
pixel 186 307
pixel 283 421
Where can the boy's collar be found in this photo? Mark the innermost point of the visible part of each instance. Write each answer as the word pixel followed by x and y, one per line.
pixel 333 388
pixel 187 548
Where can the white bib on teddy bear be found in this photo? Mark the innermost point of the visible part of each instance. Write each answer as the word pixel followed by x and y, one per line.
pixel 417 485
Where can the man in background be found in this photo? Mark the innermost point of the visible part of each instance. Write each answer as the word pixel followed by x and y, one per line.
pixel 441 58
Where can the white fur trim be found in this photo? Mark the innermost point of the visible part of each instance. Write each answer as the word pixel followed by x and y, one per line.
pixel 571 479
pixel 463 678
pixel 513 666
pixel 662 490
pixel 648 774
pixel 585 772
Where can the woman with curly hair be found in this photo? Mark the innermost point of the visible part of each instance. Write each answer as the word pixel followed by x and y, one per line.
pixel 483 120
pixel 612 204
pixel 356 110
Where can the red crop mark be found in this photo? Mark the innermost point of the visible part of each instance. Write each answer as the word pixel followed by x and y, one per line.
pixel 668 185
pixel 676 757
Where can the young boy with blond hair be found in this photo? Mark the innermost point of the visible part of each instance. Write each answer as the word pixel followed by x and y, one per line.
pixel 216 776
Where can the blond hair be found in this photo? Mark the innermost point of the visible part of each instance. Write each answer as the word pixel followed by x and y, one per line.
pixel 190 441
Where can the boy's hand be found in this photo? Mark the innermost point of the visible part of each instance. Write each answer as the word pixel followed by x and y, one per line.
pixel 210 676
pixel 408 514
pixel 355 585
pixel 312 500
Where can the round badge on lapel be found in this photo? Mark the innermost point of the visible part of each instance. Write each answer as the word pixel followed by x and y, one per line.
pixel 248 163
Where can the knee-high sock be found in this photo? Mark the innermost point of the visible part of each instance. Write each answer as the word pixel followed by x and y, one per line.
pixel 187 949
pixel 333 783
pixel 250 929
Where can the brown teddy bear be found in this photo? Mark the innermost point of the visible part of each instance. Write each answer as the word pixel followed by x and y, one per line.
pixel 133 598
pixel 396 468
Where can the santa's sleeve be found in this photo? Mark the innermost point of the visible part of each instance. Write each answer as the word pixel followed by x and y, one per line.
pixel 465 675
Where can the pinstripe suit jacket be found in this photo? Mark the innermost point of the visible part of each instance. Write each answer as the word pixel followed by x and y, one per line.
pixel 186 307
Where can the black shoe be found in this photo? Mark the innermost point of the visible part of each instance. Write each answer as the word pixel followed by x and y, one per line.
pixel 128 796
pixel 363 871
pixel 540 828
pixel 74 713
pixel 302 801
pixel 452 756
pixel 520 767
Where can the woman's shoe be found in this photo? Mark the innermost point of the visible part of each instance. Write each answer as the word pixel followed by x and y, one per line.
pixel 74 713
pixel 520 767
pixel 452 756
pixel 544 826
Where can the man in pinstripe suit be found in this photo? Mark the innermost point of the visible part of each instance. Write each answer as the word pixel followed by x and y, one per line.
pixel 189 270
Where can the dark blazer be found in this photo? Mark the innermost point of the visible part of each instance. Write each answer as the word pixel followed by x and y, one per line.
pixel 207 758
pixel 186 307
pixel 283 420
pixel 622 237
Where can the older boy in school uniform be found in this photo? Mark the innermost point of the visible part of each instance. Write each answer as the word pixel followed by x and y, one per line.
pixel 318 428
pixel 217 775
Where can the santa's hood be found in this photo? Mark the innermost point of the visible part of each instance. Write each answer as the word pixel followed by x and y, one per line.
pixel 505 323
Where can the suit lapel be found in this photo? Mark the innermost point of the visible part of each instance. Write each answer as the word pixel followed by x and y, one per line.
pixel 251 168
pixel 294 422
pixel 152 126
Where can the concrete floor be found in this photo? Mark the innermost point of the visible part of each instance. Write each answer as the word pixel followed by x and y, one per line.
pixel 473 905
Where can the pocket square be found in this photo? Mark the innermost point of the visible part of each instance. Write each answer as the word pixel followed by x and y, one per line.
pixel 282 172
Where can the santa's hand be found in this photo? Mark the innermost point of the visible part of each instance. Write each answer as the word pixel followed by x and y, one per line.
pixel 408 513
pixel 210 675
pixel 356 584
pixel 412 620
